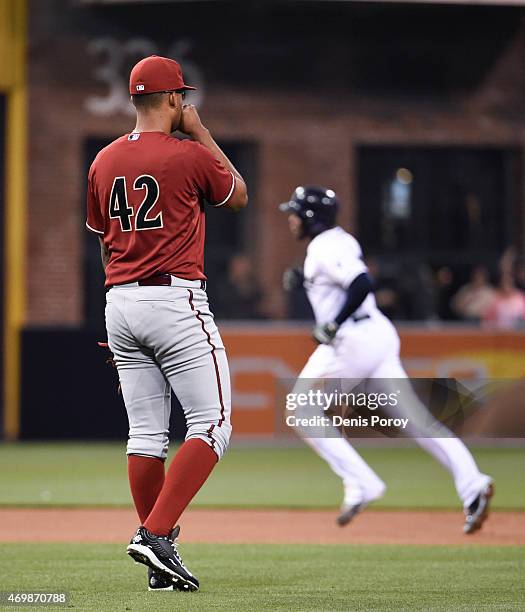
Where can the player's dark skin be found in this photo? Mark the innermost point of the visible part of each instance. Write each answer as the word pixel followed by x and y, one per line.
pixel 170 115
pixel 295 225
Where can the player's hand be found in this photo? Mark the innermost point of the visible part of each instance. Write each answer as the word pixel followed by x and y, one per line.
pixel 110 358
pixel 324 334
pixel 190 122
pixel 292 279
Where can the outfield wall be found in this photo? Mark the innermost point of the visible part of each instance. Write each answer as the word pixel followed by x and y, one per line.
pixel 69 392
pixel 260 355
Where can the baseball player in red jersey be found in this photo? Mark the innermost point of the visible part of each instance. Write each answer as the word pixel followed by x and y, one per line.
pixel 147 192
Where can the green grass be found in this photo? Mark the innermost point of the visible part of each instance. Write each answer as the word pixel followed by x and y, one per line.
pixel 95 474
pixel 264 577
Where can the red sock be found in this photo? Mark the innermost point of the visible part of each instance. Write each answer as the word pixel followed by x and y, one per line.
pixel 187 473
pixel 146 477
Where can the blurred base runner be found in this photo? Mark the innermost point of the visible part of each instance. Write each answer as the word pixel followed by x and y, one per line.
pixel 356 341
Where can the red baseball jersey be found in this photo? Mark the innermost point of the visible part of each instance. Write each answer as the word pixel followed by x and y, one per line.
pixel 146 194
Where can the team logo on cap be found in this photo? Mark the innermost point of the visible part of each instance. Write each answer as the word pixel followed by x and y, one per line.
pixel 140 87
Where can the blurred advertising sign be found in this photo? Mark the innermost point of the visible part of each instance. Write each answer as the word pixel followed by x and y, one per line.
pixel 261 355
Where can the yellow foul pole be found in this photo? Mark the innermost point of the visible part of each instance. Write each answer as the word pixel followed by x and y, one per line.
pixel 13 31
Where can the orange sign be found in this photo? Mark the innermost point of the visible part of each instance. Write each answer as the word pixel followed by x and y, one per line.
pixel 260 355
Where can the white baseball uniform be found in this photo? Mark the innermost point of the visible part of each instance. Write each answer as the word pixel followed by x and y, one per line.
pixel 367 346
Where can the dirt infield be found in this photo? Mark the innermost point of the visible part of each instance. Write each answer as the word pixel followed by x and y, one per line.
pixel 262 526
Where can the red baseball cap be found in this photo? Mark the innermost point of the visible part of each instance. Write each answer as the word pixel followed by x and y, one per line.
pixel 154 73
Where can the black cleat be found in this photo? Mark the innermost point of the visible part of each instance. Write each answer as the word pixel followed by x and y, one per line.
pixel 347 513
pixel 161 555
pixel 478 511
pixel 159 582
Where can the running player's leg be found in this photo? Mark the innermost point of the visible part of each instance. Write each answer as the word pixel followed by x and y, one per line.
pixel 437 440
pixel 361 483
pixel 147 399
pixel 197 369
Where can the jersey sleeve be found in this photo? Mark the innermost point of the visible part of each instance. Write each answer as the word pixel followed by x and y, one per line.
pixel 213 180
pixel 345 264
pixel 94 221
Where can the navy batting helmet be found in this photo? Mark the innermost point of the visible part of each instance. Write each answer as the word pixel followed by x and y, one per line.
pixel 316 206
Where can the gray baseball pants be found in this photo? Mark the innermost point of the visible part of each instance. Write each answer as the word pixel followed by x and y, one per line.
pixel 165 338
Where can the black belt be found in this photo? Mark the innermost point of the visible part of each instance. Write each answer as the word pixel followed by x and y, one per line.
pixel 356 318
pixel 158 280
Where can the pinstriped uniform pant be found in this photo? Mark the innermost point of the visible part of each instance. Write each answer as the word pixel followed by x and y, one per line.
pixel 164 339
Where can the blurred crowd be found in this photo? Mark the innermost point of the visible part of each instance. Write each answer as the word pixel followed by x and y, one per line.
pixel 237 295
pixel 410 291
pixel 491 298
